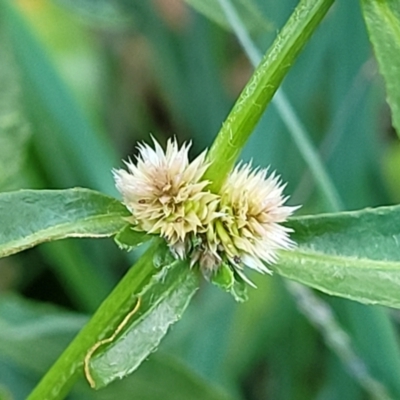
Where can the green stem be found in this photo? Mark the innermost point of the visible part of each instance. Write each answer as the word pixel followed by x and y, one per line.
pixel 260 89
pixel 62 375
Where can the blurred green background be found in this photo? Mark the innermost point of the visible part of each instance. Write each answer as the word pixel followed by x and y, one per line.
pixel 81 81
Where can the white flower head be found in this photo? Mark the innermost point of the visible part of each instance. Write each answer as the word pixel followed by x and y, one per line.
pixel 165 193
pixel 242 225
pixel 250 232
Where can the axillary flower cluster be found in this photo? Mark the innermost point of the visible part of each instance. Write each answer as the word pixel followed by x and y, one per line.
pixel 240 226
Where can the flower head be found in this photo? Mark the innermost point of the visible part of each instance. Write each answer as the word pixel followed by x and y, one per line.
pixel 165 193
pixel 250 232
pixel 242 225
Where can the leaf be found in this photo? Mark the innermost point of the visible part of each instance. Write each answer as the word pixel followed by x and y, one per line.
pixel 33 334
pixel 162 303
pixel 355 255
pixel 223 277
pixel 383 22
pixel 30 217
pixel 251 15
pixel 163 257
pixel 156 289
pixel 226 279
pixel 127 238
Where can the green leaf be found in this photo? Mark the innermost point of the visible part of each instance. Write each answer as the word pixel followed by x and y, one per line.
pixel 157 288
pixel 32 335
pixel 223 277
pixel 355 255
pixel 30 217
pixel 239 289
pixel 127 238
pixel 383 22
pixel 228 280
pixel 162 257
pixel 162 303
pixel 252 17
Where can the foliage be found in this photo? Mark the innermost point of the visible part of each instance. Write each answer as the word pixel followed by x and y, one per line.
pixel 70 111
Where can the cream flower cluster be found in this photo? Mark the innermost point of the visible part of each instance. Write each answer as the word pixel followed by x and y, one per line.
pixel 241 225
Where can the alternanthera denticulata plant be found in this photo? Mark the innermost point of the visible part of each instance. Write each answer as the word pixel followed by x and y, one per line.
pixel 241 225
pixel 216 215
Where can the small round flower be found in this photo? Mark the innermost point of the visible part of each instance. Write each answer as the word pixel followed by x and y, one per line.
pixel 250 232
pixel 165 193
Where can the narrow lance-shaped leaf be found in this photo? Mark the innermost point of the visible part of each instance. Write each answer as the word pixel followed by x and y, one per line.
pixel 169 286
pixel 383 23
pixel 161 304
pixel 30 217
pixel 355 255
pixel 128 238
pixel 34 334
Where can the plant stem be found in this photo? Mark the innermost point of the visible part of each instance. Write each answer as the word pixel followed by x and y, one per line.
pixel 260 89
